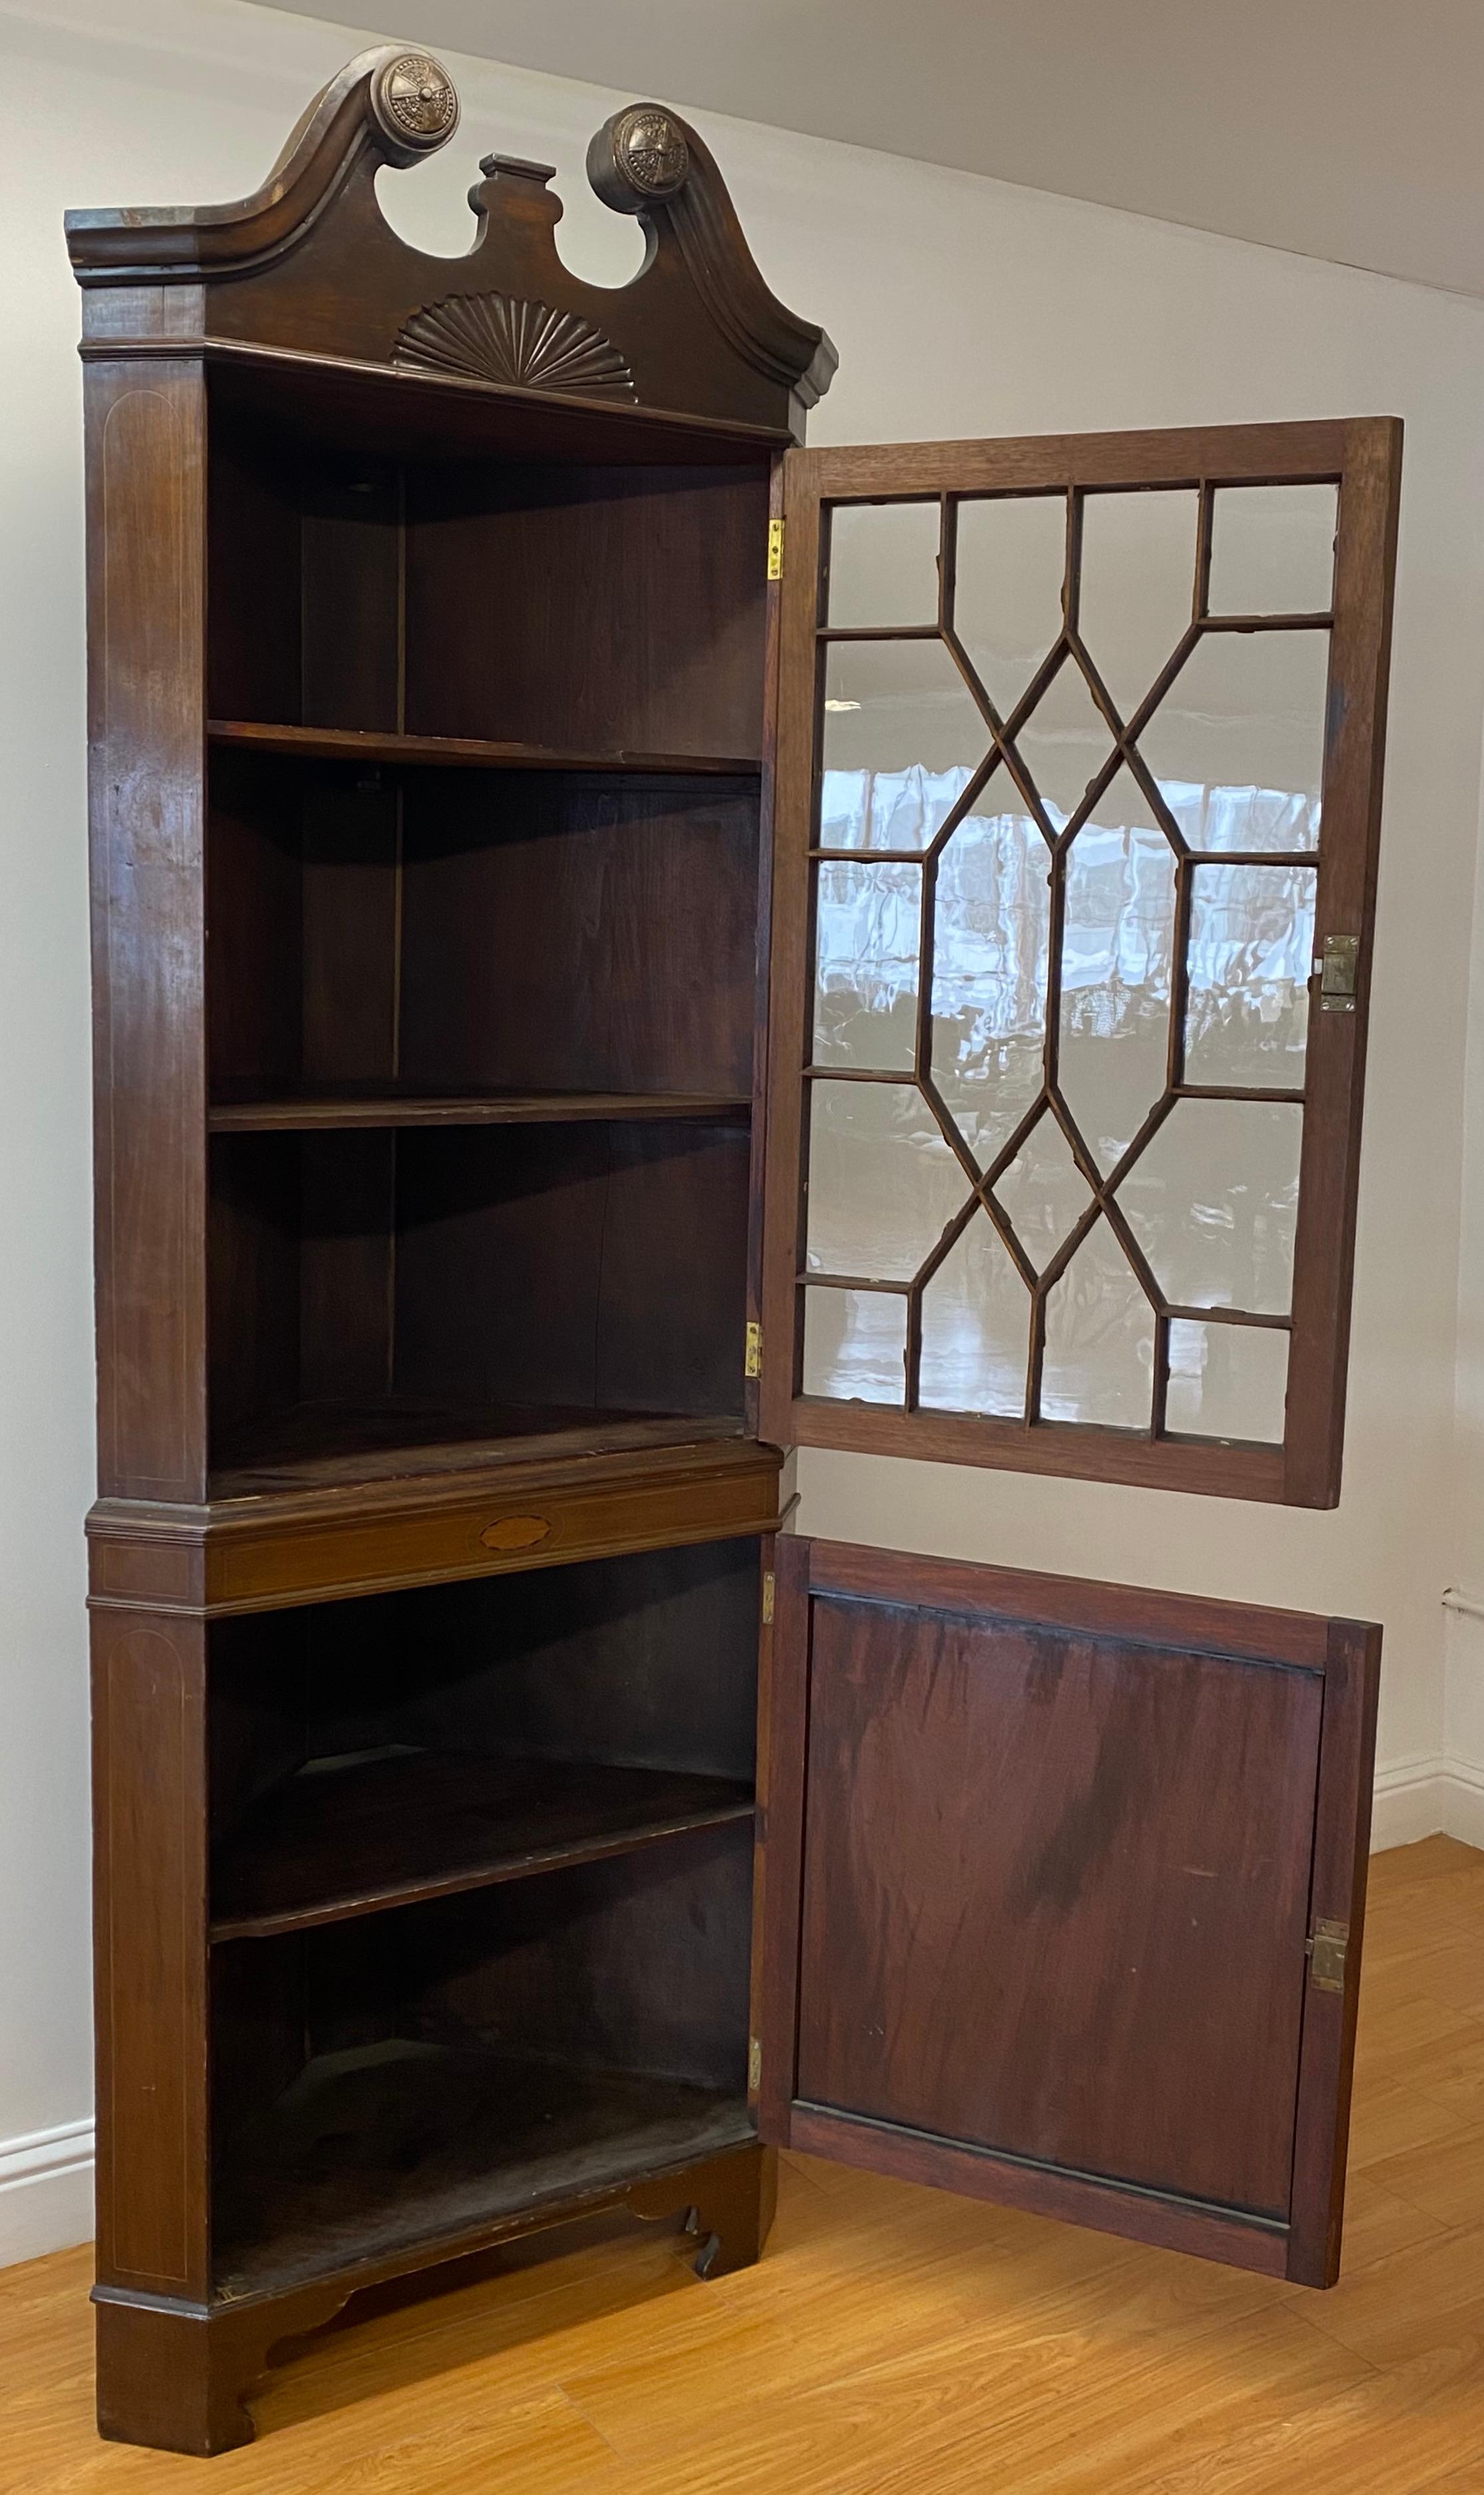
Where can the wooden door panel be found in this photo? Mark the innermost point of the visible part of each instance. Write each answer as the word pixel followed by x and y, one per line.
pixel 1056 1853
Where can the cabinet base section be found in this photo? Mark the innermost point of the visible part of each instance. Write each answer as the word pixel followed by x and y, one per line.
pixel 176 2377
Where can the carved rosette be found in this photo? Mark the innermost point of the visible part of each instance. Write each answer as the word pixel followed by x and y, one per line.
pixel 414 100
pixel 521 346
pixel 650 151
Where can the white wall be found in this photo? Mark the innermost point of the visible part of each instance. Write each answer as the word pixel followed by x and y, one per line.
pixel 960 306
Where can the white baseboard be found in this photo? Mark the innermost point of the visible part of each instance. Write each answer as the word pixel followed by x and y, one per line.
pixel 1427 1797
pixel 45 2192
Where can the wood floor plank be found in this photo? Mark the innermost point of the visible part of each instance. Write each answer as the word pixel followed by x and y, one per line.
pixel 898 2341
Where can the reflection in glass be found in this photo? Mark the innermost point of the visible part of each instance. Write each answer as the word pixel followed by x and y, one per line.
pixel 1273 550
pixel 887 809
pixel 990 974
pixel 1008 589
pixel 1117 948
pixel 1237 744
pixel 868 930
pixel 1227 1381
pixel 1098 1361
pixel 855 1345
pixel 884 563
pixel 1064 743
pixel 1212 1201
pixel 1138 574
pixel 897 713
pixel 1250 954
pixel 883 1183
pixel 976 1328
pixel 1043 1192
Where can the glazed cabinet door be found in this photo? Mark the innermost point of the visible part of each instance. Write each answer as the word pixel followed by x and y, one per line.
pixel 1061 1897
pixel 1076 801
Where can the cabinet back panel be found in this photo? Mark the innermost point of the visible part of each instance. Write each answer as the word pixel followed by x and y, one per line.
pixel 596 1265
pixel 350 906
pixel 594 608
pixel 351 554
pixel 579 933
pixel 255 623
pixel 254 949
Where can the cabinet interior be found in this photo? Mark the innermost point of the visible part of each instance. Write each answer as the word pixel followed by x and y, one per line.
pixel 481 1873
pixel 482 879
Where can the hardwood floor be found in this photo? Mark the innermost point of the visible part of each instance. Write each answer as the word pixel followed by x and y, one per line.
pixel 897 2342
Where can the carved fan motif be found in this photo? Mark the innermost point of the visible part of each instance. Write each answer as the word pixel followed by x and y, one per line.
pixel 495 338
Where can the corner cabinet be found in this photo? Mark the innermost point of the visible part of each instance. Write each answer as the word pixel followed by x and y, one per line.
pixel 532 797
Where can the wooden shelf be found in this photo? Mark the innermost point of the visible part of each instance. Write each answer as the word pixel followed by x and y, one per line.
pixel 337 1840
pixel 394 2146
pixel 494 1109
pixel 327 1446
pixel 464 752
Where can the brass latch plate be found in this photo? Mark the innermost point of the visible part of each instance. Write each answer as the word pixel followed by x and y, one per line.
pixel 752 1359
pixel 775 549
pixel 1326 1946
pixel 769 1589
pixel 1339 969
pixel 754 2064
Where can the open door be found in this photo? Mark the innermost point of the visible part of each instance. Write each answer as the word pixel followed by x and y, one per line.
pixel 1061 1889
pixel 1078 791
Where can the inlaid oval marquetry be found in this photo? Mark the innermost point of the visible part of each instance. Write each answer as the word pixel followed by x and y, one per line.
pixel 515 1533
pixel 500 338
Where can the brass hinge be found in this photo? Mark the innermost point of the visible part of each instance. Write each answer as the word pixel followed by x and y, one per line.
pixel 754 2063
pixel 752 1361
pixel 770 1586
pixel 1326 1947
pixel 1339 969
pixel 775 549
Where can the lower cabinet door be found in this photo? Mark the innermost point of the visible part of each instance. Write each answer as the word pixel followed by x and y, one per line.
pixel 1061 1889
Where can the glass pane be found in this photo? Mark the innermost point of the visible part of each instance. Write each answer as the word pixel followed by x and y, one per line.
pixel 1008 589
pixel 1227 1381
pixel 990 974
pixel 1116 952
pixel 855 1345
pixel 1212 1201
pixel 868 922
pixel 883 563
pixel 1099 1360
pixel 1273 550
pixel 883 1183
pixel 1237 744
pixel 1064 743
pixel 1138 579
pixel 902 735
pixel 1251 950
pixel 1043 1192
pixel 976 1328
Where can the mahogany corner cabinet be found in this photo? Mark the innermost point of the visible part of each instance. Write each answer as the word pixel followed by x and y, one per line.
pixel 624 945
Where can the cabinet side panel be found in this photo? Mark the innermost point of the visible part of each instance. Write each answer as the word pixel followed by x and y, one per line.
pixel 146 462
pixel 150 1900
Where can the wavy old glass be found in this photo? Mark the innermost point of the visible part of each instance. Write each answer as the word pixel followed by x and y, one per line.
pixel 901 735
pixel 1228 765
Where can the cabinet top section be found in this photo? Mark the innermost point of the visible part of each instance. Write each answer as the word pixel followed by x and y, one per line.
pixel 309 265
